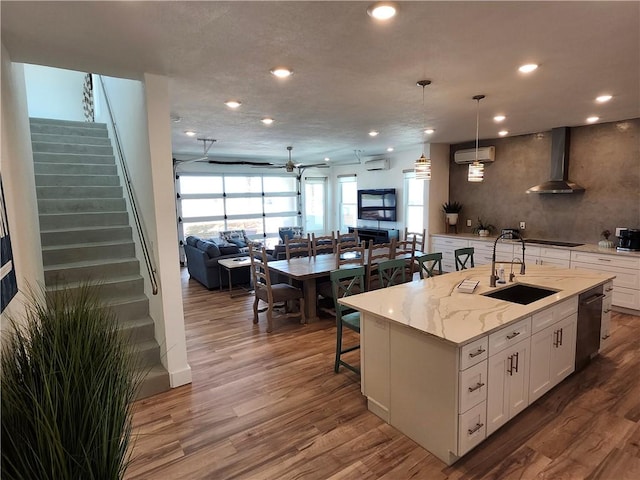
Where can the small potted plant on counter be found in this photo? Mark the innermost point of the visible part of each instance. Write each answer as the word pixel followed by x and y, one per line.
pixel 483 228
pixel 606 243
pixel 451 210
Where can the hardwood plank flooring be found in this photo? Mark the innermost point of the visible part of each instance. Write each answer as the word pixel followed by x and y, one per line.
pixel 269 406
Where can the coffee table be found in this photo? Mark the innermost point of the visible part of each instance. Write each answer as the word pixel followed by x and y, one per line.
pixel 229 264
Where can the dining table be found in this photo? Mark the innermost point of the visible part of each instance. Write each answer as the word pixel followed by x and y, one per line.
pixel 308 270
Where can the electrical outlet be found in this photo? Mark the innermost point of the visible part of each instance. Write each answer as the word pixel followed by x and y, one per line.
pixel 468 222
pixel 522 225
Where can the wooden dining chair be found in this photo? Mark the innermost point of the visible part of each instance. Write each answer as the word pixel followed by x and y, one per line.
pixel 297 247
pixel 350 238
pixel 323 244
pixel 428 263
pixel 377 253
pixel 407 249
pixel 392 272
pixel 347 254
pixel 345 282
pixel 420 238
pixel 269 293
pixel 464 258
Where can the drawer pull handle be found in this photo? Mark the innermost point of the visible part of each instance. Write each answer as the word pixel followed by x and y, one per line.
pixel 477 352
pixel 476 387
pixel 610 289
pixel 476 428
pixel 604 259
pixel 607 311
pixel 513 335
pixel 606 336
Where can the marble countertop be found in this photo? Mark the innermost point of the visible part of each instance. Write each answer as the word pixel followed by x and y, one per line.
pixel 587 247
pixel 434 307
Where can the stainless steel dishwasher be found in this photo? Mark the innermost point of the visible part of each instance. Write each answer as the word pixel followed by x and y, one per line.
pixel 588 331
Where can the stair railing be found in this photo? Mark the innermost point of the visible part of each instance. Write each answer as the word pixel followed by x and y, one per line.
pixel 132 201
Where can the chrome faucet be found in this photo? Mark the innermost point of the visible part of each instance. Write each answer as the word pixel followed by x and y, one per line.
pixel 494 277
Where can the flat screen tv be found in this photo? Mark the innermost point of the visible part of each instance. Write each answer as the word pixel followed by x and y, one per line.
pixel 377 204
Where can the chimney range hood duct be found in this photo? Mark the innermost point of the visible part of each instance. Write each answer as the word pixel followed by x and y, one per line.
pixel 559 166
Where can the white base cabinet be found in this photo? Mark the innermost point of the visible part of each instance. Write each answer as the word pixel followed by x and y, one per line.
pixel 449 399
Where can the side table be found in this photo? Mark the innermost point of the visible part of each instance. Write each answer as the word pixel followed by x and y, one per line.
pixel 229 264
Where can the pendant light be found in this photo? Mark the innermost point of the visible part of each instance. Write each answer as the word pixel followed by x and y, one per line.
pixel 423 164
pixel 476 169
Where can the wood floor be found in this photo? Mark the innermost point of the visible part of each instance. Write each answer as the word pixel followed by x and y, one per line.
pixel 268 406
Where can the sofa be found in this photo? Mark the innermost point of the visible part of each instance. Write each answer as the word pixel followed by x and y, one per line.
pixel 202 262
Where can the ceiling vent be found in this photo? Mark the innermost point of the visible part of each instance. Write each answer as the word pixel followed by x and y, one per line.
pixel 485 154
pixel 377 164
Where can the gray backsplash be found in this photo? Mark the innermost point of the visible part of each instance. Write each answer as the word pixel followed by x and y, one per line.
pixel 604 159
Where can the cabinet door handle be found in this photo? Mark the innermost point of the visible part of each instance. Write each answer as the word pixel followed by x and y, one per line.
pixel 476 428
pixel 513 335
pixel 517 361
pixel 561 335
pixel 555 338
pixel 476 387
pixel 480 351
pixel 510 367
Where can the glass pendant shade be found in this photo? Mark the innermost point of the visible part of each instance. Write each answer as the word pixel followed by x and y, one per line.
pixel 476 172
pixel 422 168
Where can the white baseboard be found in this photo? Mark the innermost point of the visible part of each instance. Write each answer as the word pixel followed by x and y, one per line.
pixel 180 377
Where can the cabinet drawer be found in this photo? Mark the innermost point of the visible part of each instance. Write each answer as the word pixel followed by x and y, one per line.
pixel 608 289
pixel 554 262
pixel 549 253
pixel 474 352
pixel 472 428
pixel 625 277
pixel 612 260
pixel 473 386
pixel 509 335
pixel 626 297
pixel 543 319
pixel 450 242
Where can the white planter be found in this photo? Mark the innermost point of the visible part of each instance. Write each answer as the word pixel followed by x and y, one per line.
pixel 605 244
pixel 483 233
pixel 452 218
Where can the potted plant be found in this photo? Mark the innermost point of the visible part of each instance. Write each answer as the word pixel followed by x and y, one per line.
pixel 606 243
pixel 451 210
pixel 68 381
pixel 483 228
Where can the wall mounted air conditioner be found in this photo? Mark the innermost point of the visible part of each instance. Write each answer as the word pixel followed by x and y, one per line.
pixel 485 154
pixel 377 164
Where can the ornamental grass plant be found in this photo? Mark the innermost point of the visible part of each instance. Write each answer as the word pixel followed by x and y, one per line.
pixel 68 384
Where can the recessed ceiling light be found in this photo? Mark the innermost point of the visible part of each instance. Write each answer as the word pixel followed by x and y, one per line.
pixel 390 149
pixel 233 104
pixel 503 133
pixel 382 10
pixel 528 68
pixel 326 159
pixel 593 119
pixel 281 72
pixel 603 98
pixel 499 118
pixel 190 133
pixel 373 133
pixel 267 121
pixel 429 131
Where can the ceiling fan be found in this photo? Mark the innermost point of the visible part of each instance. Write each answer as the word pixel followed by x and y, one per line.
pixel 290 166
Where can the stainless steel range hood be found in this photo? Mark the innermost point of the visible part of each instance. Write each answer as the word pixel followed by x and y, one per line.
pixel 559 182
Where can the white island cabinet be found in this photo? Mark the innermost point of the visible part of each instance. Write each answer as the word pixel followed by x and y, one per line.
pixel 448 368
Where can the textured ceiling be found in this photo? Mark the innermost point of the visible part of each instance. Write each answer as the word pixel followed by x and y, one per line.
pixel 351 73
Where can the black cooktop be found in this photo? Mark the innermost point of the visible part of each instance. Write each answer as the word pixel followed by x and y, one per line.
pixel 552 242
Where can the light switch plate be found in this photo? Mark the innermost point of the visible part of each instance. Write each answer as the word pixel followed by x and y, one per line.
pixel 522 225
pixel 468 222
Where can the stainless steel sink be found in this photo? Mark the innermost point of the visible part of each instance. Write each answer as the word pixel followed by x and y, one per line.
pixel 521 293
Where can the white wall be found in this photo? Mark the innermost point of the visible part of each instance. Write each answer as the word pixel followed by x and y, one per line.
pixel 18 180
pixel 141 113
pixel 54 92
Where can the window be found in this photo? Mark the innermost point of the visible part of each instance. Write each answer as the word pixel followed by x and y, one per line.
pixel 414 202
pixel 259 204
pixel 348 202
pixel 314 204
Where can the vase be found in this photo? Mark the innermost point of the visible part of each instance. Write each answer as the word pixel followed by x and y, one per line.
pixel 452 218
pixel 605 244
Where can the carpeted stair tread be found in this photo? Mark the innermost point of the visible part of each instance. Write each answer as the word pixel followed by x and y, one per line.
pixel 94 244
pixel 88 263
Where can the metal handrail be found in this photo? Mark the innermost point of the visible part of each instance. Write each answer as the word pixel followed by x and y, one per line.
pixel 130 192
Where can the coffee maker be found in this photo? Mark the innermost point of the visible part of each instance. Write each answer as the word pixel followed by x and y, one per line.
pixel 628 239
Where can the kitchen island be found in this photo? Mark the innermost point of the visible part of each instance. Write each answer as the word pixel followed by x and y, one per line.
pixel 449 368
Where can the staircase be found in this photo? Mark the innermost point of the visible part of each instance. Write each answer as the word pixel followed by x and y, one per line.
pixel 85 231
